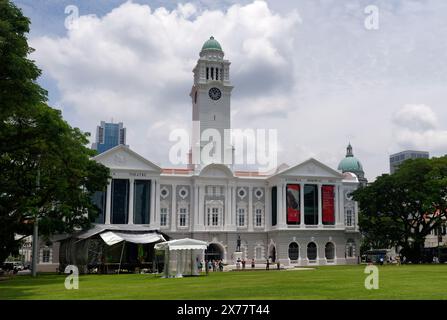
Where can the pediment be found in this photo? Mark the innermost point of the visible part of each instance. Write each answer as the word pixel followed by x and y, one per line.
pixel 311 168
pixel 216 171
pixel 122 157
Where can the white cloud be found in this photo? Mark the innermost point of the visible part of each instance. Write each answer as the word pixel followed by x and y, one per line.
pixel 309 69
pixel 135 64
pixel 417 128
pixel 416 117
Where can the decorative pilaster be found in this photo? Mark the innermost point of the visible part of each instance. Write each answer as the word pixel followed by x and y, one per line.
pixel 268 208
pixel 320 207
pixel 130 218
pixel 250 208
pixel 157 203
pixel 227 206
pixel 201 205
pixel 173 208
pixel 302 205
pixel 108 217
pixel 152 215
pixel 233 208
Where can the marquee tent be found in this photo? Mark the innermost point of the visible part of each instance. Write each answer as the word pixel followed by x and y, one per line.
pixel 182 256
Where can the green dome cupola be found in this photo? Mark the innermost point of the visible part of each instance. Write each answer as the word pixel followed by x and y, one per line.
pixel 351 164
pixel 211 44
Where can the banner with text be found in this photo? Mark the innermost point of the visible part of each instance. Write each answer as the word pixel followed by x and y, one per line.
pixel 328 197
pixel 293 203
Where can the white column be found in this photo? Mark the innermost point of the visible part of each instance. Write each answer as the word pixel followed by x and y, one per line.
pixel 131 201
pixel 284 204
pixel 250 208
pixel 174 208
pixel 278 205
pixel 341 211
pixel 356 216
pixel 337 206
pixel 196 206
pixel 201 205
pixel 268 208
pixel 152 215
pixel 281 221
pixel 320 209
pixel 302 204
pixel 108 217
pixel 227 206
pixel 233 207
pixel 157 203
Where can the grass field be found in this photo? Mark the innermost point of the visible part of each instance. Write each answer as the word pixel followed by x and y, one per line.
pixel 336 282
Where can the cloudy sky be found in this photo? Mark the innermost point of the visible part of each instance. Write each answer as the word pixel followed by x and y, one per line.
pixel 308 68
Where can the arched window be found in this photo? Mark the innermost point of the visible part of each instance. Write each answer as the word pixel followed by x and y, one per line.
pixel 329 251
pixel 294 251
pixel 312 251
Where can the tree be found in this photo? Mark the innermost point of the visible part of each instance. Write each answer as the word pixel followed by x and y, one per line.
pixel 36 142
pixel 403 208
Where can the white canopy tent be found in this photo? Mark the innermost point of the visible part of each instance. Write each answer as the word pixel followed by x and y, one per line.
pixel 182 256
pixel 114 237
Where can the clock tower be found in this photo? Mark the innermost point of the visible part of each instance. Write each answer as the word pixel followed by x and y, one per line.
pixel 211 96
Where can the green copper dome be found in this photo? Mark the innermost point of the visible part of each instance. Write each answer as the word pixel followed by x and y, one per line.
pixel 350 163
pixel 211 44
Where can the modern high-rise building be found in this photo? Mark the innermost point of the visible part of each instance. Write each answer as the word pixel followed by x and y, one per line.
pixel 397 158
pixel 109 135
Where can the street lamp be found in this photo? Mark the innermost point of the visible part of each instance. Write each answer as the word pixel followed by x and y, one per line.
pixel 36 233
pixel 439 242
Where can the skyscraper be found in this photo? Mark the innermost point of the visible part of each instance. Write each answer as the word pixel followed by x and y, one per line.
pixel 397 158
pixel 109 135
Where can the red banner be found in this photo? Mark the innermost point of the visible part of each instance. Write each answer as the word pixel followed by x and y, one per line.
pixel 293 203
pixel 327 193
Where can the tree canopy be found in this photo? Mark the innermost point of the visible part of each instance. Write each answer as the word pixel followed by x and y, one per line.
pixel 46 168
pixel 403 208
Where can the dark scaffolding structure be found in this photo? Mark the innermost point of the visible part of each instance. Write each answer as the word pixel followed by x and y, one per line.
pixel 126 249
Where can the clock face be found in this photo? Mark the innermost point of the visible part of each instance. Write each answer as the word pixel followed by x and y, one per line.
pixel 215 93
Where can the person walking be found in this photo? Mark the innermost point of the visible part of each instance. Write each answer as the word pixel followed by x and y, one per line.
pixel 243 264
pixel 206 267
pixel 267 265
pixel 252 263
pixel 209 266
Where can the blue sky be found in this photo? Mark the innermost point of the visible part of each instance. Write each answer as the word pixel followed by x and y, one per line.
pixel 307 68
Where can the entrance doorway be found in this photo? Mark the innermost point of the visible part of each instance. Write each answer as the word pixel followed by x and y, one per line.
pixel 213 252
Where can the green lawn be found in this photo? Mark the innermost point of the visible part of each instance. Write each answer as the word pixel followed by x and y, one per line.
pixel 336 282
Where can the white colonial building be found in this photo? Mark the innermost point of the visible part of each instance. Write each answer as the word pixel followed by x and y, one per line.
pixel 300 215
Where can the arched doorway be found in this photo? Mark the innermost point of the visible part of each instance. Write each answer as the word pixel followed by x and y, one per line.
pixel 312 251
pixel 329 251
pixel 214 252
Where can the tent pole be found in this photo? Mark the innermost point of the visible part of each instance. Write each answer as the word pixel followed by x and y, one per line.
pixel 121 258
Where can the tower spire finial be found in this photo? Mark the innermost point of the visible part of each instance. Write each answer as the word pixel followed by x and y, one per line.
pixel 349 152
